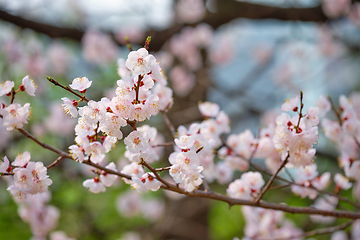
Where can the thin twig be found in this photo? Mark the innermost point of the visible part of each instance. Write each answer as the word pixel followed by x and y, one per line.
pixel 162 169
pixel 156 174
pixel 272 179
pixel 55 162
pixel 67 89
pixel 167 144
pixel 335 111
pixel 169 124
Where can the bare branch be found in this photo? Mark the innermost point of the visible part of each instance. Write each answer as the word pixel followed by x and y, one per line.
pixel 272 180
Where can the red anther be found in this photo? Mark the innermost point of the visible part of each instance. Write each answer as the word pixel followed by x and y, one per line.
pixel 289 123
pixel 22 87
pixel 83 91
pixel 143 102
pixel 295 109
pixel 75 103
pixel 108 109
pixel 229 151
pixel 143 180
pixel 103 138
pixel 8 94
pixel 150 177
pixel 185 150
pixel 141 84
pixel 9 169
pixel 96 179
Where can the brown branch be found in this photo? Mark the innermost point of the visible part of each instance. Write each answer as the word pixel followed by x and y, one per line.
pixel 272 180
pixel 167 144
pixel 55 162
pixel 156 174
pixel 83 98
pixel 227 10
pixel 162 169
pixel 169 124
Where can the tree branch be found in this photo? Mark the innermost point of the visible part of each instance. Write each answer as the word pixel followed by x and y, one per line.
pixel 227 10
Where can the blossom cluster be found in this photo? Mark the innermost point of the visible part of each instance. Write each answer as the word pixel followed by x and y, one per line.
pixel 295 136
pixel 14 115
pixel 202 138
pixel 30 178
pixel 247 186
pixel 139 148
pixel 265 223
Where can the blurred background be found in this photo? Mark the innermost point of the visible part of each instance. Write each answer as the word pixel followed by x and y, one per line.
pixel 247 56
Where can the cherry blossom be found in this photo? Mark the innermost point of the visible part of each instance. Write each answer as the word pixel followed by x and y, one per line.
pixel 28 85
pixel 15 116
pixel 140 61
pixel 94 185
pixel 5 88
pixel 80 84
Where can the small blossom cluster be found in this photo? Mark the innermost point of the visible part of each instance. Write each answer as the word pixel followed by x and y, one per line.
pixel 266 223
pixel 104 179
pixel 137 95
pixel 97 131
pixel 205 138
pixel 29 177
pixel 345 133
pixel 14 115
pixel 296 135
pixel 41 217
pixel 308 177
pixel 186 167
pixel 186 46
pixel 130 204
pixel 247 187
pixel 139 149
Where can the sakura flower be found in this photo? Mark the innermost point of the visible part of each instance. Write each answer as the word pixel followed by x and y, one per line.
pixel 147 182
pixel 254 180
pixel 23 179
pixel 94 185
pixel 4 165
pixel 137 141
pixel 28 85
pixel 323 104
pixel 342 182
pixel 22 159
pixel 81 84
pixel 239 189
pixel 184 142
pixel 69 107
pixel 192 179
pixel 77 153
pixel 106 178
pixel 132 169
pixel 5 88
pixel 209 109
pixel 140 61
pixel 290 104
pixel 15 116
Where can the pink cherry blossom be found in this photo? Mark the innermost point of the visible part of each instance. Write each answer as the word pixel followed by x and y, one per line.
pixel 94 185
pixel 5 88
pixel 80 84
pixel 28 85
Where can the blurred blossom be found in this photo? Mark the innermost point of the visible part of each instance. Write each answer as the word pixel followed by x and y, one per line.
pixel 59 58
pixel 222 50
pixel 134 33
pixel 99 48
pixel 12 50
pixel 190 11
pixel 354 14
pixel 261 53
pixel 335 8
pixel 182 82
pixel 59 123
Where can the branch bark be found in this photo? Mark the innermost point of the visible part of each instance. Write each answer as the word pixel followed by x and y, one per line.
pixel 227 10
